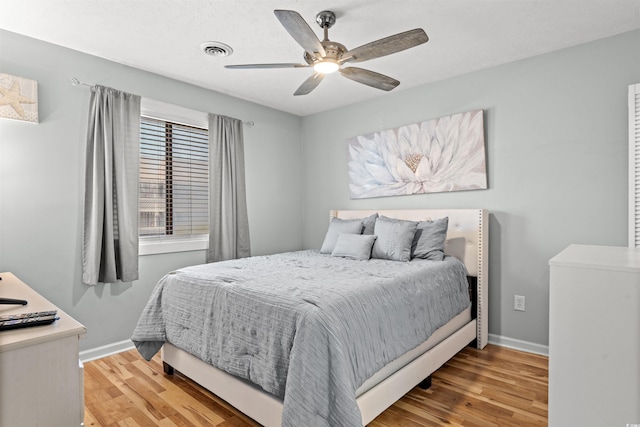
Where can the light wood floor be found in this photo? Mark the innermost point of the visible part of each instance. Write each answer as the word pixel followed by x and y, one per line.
pixel 491 387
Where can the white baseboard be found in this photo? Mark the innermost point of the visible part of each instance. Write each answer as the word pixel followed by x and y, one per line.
pixel 105 350
pixel 126 345
pixel 521 345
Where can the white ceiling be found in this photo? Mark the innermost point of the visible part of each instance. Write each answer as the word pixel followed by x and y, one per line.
pixel 163 36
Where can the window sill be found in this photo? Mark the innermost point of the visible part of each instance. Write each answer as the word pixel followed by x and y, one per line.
pixel 151 246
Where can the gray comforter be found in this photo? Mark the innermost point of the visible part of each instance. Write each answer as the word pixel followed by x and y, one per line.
pixel 306 327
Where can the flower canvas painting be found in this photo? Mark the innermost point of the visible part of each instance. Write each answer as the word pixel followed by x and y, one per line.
pixel 444 154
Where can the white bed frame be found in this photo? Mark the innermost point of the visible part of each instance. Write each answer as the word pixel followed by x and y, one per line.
pixel 467 240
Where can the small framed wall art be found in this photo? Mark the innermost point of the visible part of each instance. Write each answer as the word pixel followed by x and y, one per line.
pixel 18 98
pixel 438 155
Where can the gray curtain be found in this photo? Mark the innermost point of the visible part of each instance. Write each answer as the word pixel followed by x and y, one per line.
pixel 110 246
pixel 228 221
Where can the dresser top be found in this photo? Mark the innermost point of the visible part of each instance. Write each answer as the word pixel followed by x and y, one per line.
pixel 617 258
pixel 12 287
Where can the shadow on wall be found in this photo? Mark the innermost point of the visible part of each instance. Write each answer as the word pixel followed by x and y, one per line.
pixel 495 274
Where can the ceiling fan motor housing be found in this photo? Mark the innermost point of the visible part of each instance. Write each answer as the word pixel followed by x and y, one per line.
pixel 333 51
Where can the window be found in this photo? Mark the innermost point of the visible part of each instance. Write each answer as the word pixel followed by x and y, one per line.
pixel 174 181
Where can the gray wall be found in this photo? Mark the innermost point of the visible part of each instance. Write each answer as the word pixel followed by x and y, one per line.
pixel 42 170
pixel 556 140
pixel 556 143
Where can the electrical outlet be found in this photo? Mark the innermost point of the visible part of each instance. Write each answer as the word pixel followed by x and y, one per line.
pixel 518 302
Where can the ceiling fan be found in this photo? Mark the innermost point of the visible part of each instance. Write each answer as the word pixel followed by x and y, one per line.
pixel 327 56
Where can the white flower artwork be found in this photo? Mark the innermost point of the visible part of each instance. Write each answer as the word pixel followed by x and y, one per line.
pixel 444 154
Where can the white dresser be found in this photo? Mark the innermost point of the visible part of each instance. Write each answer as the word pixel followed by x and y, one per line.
pixel 594 337
pixel 41 380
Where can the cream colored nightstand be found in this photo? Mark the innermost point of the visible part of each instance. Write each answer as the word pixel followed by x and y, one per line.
pixel 594 337
pixel 41 378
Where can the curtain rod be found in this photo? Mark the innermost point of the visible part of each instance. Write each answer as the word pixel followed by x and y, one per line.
pixel 76 82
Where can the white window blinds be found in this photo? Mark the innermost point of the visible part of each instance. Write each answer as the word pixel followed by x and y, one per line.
pixel 634 165
pixel 174 179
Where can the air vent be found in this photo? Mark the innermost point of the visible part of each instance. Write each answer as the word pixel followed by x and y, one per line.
pixel 216 49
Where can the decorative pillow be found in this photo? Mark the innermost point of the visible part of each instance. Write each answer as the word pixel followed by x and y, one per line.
pixel 369 223
pixel 337 226
pixel 394 239
pixel 354 246
pixel 428 242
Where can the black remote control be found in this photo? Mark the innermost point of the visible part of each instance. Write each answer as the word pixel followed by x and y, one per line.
pixel 15 321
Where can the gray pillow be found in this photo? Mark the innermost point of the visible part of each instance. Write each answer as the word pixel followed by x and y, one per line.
pixel 369 223
pixel 394 239
pixel 428 242
pixel 354 246
pixel 337 226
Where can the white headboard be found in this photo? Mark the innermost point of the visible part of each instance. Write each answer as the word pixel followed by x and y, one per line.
pixel 467 240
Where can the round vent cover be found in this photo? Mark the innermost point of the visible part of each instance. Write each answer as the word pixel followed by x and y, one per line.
pixel 216 49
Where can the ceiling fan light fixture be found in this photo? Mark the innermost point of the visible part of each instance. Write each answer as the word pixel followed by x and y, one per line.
pixel 326 66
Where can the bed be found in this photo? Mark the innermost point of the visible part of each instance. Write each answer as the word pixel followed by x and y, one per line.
pixel 334 374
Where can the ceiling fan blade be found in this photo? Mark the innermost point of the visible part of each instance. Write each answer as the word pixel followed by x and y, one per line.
pixel 252 66
pixel 386 46
pixel 300 31
pixel 369 78
pixel 310 84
